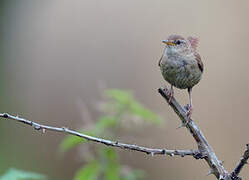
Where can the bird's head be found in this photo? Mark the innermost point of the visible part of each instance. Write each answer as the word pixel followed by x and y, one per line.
pixel 178 44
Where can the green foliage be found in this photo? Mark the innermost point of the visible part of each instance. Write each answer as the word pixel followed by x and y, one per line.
pixel 104 163
pixel 123 98
pixel 134 175
pixel 102 124
pixel 107 167
pixel 111 166
pixel 88 172
pixel 120 96
pixel 71 141
pixel 15 174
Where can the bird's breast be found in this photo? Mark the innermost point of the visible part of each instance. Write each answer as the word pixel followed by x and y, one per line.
pixel 181 73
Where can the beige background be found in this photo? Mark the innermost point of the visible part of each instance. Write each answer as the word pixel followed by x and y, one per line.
pixel 57 52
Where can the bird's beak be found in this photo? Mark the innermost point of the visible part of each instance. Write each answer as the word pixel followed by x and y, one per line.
pixel 168 43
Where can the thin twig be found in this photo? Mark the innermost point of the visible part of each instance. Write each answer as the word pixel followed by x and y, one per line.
pixel 206 150
pixel 134 147
pixel 242 162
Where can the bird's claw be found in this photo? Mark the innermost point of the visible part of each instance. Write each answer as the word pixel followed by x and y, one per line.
pixel 171 95
pixel 189 110
pixel 170 98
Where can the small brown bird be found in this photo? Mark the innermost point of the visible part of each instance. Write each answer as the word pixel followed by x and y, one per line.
pixel 181 65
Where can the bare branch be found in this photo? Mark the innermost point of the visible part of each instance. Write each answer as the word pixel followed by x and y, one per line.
pixel 133 147
pixel 205 149
pixel 242 162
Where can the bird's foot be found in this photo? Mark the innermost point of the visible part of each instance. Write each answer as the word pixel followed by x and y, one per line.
pixel 171 95
pixel 189 111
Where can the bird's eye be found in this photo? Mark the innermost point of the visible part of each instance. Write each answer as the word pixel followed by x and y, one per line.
pixel 178 42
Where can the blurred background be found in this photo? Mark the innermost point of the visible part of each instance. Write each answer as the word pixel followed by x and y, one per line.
pixel 55 54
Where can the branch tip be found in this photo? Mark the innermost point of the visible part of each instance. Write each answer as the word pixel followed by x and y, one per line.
pixel 210 172
pixel 181 126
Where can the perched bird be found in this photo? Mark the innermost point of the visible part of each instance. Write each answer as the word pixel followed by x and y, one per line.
pixel 181 65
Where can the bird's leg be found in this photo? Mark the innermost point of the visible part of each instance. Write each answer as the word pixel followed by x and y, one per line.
pixel 190 107
pixel 171 93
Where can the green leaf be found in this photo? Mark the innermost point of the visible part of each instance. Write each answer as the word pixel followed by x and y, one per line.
pixel 15 174
pixel 88 172
pixel 104 123
pixel 126 99
pixel 111 167
pixel 134 175
pixel 121 96
pixel 71 141
pixel 112 172
pixel 139 110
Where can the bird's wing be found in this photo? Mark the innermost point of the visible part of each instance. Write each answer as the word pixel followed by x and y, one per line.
pixel 199 62
pixel 159 63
